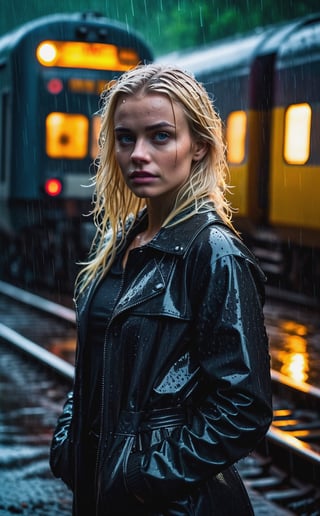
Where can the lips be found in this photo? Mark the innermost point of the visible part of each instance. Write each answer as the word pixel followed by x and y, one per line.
pixel 140 174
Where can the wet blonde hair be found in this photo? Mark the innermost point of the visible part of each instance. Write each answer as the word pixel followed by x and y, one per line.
pixel 115 206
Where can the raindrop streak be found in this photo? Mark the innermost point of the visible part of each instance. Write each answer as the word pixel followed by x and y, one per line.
pixel 200 16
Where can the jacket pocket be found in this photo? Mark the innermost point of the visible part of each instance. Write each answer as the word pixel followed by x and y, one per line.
pixel 113 496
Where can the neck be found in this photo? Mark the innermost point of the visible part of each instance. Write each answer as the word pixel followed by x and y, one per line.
pixel 158 211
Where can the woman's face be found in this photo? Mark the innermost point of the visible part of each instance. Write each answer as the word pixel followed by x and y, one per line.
pixel 154 147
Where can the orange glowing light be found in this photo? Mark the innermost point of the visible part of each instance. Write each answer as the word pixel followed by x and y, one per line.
pixel 297 134
pixel 294 358
pixel 67 135
pixel 236 136
pixel 80 54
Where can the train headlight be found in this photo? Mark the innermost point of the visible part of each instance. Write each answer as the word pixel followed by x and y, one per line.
pixel 47 53
pixel 80 54
pixel 53 187
pixel 67 135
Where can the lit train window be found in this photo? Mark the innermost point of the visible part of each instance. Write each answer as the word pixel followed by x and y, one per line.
pixel 78 54
pixel 96 124
pixel 88 85
pixel 297 134
pixel 82 85
pixel 236 136
pixel 67 135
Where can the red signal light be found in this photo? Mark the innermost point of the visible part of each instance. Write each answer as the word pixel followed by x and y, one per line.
pixel 53 187
pixel 55 86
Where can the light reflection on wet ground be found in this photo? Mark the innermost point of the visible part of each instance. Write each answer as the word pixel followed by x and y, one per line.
pixel 294 334
pixel 64 349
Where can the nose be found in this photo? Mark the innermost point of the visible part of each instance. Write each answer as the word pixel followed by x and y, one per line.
pixel 140 151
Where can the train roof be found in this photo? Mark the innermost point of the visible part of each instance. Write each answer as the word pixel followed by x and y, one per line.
pixel 13 38
pixel 234 55
pixel 302 46
pixel 220 55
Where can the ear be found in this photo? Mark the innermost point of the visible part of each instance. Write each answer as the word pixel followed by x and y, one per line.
pixel 200 149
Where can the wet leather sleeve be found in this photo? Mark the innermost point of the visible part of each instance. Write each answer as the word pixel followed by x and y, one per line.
pixel 233 409
pixel 60 450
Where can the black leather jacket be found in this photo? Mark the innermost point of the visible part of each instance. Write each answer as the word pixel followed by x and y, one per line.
pixel 186 382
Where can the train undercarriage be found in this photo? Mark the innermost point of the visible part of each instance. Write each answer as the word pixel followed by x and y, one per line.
pixel 46 252
pixel 288 264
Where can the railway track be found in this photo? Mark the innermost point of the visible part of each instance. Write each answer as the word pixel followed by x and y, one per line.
pixel 285 469
pixel 32 390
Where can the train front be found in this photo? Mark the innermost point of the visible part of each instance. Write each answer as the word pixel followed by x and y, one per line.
pixel 57 68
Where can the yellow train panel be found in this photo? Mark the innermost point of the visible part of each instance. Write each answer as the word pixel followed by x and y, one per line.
pixel 294 189
pixel 239 190
pixel 244 176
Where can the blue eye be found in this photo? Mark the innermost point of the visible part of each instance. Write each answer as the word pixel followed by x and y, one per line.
pixel 125 139
pixel 161 136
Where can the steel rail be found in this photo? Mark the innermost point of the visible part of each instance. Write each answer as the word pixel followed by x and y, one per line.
pixel 57 364
pixel 38 302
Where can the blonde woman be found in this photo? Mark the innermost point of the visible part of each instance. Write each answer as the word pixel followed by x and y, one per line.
pixel 172 383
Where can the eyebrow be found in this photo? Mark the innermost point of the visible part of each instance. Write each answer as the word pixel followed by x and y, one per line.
pixel 158 125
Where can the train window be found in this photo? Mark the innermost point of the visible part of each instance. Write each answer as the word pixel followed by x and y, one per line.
pixel 236 136
pixel 297 134
pixel 76 54
pixel 89 85
pixel 96 124
pixel 82 85
pixel 67 135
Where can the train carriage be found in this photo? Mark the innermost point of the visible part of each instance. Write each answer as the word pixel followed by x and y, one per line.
pixel 52 71
pixel 266 87
pixel 295 153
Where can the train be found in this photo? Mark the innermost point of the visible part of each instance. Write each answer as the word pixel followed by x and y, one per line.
pixel 52 72
pixel 266 87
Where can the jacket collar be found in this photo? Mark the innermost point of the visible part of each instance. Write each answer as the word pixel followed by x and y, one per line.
pixel 177 237
pixel 173 239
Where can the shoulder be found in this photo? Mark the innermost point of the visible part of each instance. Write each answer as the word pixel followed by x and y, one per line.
pixel 217 249
pixel 219 240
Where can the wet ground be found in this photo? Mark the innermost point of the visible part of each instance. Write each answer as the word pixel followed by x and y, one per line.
pixel 294 334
